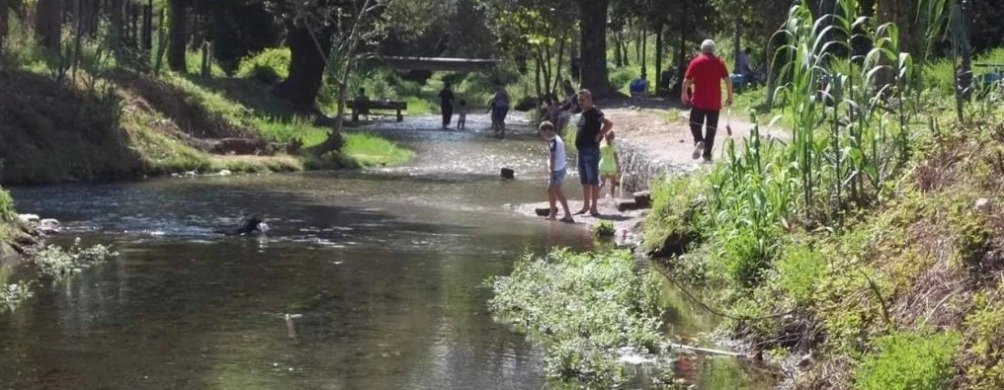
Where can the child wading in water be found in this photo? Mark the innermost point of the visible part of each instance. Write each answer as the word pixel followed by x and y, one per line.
pixel 610 165
pixel 462 118
pixel 557 165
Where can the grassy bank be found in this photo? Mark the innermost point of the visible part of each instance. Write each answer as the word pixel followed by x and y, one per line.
pixel 100 121
pixel 865 252
pixel 130 126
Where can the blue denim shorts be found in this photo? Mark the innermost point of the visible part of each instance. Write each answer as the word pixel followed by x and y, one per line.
pixel 557 178
pixel 589 165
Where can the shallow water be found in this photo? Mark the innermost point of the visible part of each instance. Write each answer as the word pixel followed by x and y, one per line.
pixel 380 272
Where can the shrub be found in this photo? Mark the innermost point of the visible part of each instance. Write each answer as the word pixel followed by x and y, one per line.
pixel 270 66
pixel 906 360
pixel 603 229
pixel 620 78
pixel 799 270
pixel 675 203
pixel 12 295
pixel 582 308
pixel 58 262
pixel 7 212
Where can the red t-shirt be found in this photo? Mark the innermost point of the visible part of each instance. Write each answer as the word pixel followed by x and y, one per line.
pixel 707 71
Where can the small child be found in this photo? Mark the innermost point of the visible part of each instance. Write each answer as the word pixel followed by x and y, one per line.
pixel 610 165
pixel 462 119
pixel 557 165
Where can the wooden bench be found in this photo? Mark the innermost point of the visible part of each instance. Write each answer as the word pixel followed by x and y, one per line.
pixel 364 106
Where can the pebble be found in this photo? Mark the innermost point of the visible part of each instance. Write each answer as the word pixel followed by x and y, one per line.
pixel 982 205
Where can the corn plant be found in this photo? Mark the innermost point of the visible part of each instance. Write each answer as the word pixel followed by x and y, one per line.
pixel 849 138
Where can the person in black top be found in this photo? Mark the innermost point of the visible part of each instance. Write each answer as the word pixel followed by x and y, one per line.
pixel 593 126
pixel 446 102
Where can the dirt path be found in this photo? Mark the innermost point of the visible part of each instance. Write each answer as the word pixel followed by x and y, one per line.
pixel 659 131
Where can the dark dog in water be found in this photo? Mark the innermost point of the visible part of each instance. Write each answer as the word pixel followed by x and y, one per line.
pixel 250 226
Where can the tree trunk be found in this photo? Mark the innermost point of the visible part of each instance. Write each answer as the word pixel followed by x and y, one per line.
pixel 48 23
pixel 736 41
pixel 158 61
pixel 681 55
pixel 624 47
pixel 178 35
pixel 536 74
pixel 617 57
pixel 659 41
pixel 593 19
pixel 561 58
pixel 206 68
pixel 148 27
pixel 644 49
pixel 4 16
pixel 901 12
pixel 306 67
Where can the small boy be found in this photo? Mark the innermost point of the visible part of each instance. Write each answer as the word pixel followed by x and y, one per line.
pixel 462 115
pixel 557 165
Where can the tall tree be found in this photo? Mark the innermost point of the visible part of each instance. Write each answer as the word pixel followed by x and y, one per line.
pixel 178 35
pixel 593 27
pixel 306 66
pixel 4 17
pixel 49 23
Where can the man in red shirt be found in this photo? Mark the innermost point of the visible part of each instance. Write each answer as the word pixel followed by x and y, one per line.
pixel 705 73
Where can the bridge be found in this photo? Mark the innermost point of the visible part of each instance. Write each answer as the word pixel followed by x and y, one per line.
pixel 440 63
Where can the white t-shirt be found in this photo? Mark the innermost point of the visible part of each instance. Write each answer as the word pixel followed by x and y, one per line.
pixel 557 146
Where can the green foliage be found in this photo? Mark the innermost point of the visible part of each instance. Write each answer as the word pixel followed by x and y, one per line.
pixel 269 66
pixel 581 308
pixel 906 360
pixel 674 206
pixel 60 263
pixel 983 358
pixel 7 213
pixel 800 270
pixel 12 295
pixel 604 229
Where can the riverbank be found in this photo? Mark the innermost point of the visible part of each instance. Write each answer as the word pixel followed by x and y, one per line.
pixel 894 284
pixel 130 126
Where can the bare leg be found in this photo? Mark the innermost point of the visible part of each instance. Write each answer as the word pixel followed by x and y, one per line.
pixel 595 194
pixel 585 199
pixel 551 199
pixel 564 205
pixel 613 186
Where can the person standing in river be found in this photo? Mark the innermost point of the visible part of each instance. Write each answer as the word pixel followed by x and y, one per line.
pixel 705 73
pixel 446 103
pixel 593 126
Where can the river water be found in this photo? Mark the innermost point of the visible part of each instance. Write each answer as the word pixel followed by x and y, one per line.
pixel 367 280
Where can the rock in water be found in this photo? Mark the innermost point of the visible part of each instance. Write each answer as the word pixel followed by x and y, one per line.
pixel 49 226
pixel 626 205
pixel 508 173
pixel 29 218
pixel 542 211
pixel 643 199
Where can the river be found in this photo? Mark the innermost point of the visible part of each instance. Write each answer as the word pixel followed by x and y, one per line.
pixel 381 273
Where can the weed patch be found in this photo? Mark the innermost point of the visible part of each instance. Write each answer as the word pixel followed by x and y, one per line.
pixel 59 263
pixel 914 361
pixel 582 308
